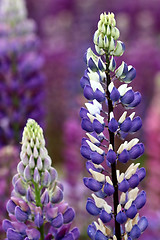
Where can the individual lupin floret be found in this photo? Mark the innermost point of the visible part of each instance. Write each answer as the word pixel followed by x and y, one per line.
pixel 99 117
pixel 113 124
pixel 93 62
pixel 36 206
pixel 125 73
pixel 114 93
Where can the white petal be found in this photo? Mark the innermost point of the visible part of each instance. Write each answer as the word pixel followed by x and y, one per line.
pixel 98 166
pixel 110 147
pixel 100 118
pixel 97 104
pixel 94 147
pixel 128 204
pixel 98 201
pixel 91 117
pixel 114 237
pixel 128 226
pixel 123 198
pixel 132 115
pixel 108 180
pixel 107 208
pixel 119 208
pixel 132 143
pixel 111 115
pixel 120 178
pixel 135 219
pixel 123 117
pixel 110 87
pixel 92 139
pixel 96 85
pixel 93 76
pixel 133 194
pixel 97 176
pixel 122 89
pixel 92 108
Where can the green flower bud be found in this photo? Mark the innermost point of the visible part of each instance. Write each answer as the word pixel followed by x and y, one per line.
pixel 115 33
pixel 119 50
pixel 111 44
pixel 99 50
pixel 100 41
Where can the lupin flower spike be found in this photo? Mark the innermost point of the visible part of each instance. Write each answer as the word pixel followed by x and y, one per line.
pixel 21 64
pixel 36 207
pixel 99 85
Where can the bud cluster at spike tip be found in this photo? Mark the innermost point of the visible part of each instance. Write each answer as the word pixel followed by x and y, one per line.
pixel 22 80
pixel 97 149
pixel 36 207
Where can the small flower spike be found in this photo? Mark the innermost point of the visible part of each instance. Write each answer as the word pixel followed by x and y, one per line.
pixel 36 208
pixel 101 89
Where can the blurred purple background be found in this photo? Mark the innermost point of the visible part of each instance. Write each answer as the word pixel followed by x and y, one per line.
pixel 65 29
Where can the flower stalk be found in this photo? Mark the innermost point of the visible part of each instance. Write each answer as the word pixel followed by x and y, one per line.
pixel 100 86
pixel 113 165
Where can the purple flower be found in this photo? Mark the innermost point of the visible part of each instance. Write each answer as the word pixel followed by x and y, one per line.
pixel 36 202
pixel 122 187
pixel 22 80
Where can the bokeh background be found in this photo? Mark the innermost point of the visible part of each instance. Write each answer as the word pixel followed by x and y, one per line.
pixel 41 62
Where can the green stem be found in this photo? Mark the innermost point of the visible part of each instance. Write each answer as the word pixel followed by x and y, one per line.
pixel 38 204
pixel 41 230
pixel 37 195
pixel 113 165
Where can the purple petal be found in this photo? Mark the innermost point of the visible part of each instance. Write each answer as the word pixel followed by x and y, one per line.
pixel 97 126
pixel 124 156
pixel 123 186
pixel 105 217
pixel 131 211
pixel 92 208
pixel 57 221
pixel 111 156
pixel 126 125
pixel 57 195
pixel 121 217
pixel 69 215
pixel 21 216
pixel 92 184
pixel 108 189
pixel 13 235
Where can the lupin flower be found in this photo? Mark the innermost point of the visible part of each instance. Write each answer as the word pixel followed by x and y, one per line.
pixel 8 162
pixel 36 207
pixel 20 69
pixel 152 136
pixel 101 77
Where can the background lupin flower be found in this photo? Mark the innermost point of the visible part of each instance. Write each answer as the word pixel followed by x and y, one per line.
pixel 102 90
pixel 36 207
pixel 153 165
pixel 21 78
pixel 8 162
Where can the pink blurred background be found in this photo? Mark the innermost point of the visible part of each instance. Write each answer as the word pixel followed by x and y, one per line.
pixel 65 29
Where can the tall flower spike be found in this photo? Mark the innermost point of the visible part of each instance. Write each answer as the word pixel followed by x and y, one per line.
pixel 122 187
pixel 36 207
pixel 22 79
